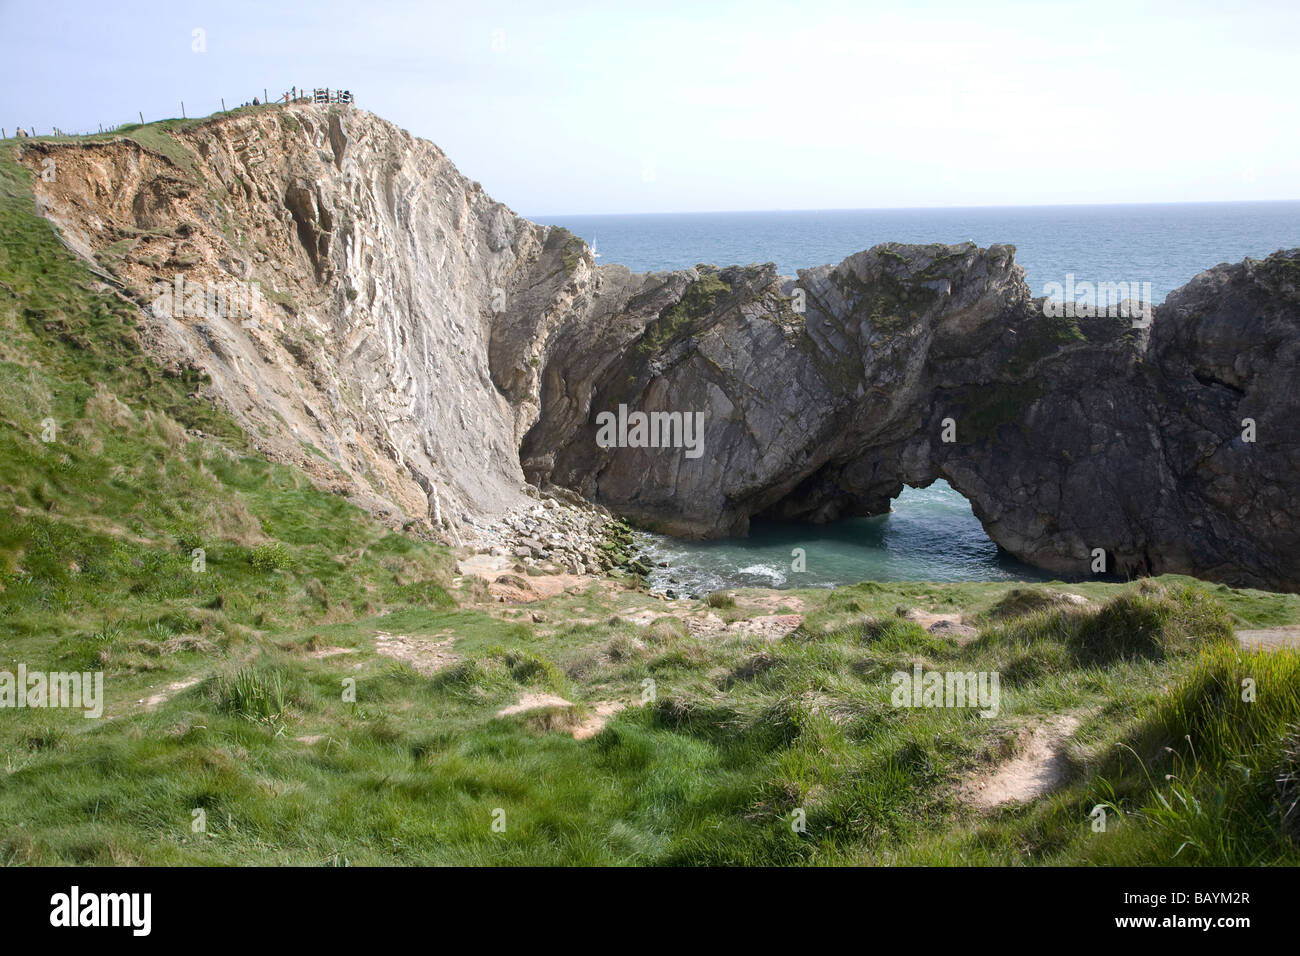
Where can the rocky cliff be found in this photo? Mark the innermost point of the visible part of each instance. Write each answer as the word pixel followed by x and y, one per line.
pixel 420 348
pixel 373 276
pixel 1169 446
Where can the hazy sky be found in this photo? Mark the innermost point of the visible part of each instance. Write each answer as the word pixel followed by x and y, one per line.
pixel 664 106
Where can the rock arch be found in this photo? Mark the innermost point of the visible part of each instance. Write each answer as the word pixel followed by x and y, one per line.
pixel 1071 433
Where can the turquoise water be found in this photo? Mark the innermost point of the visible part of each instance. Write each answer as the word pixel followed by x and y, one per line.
pixel 931 534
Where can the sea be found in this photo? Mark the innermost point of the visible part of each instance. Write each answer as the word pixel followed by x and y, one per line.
pixel 931 533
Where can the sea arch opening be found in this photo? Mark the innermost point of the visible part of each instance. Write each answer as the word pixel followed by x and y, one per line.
pixel 931 533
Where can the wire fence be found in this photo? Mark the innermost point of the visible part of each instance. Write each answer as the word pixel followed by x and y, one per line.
pixel 320 96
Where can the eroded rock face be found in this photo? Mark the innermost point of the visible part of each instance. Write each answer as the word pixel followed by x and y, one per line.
pixel 1067 435
pixel 381 273
pixel 792 401
pixel 422 349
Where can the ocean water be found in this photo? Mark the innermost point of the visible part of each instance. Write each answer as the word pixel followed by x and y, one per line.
pixel 931 534
pixel 1164 244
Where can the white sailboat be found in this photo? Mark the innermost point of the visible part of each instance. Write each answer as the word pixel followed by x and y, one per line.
pixel 594 253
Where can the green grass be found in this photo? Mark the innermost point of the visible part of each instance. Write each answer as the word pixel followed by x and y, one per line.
pixel 720 599
pixel 699 300
pixel 739 735
pixel 889 303
pixel 1220 796
pixel 571 248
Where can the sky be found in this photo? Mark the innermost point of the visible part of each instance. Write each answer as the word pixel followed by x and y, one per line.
pixel 564 108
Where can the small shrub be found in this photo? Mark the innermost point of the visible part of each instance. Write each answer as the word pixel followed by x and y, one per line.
pixel 317 592
pixel 1151 621
pixel 252 695
pixel 663 630
pixel 1021 601
pixel 528 668
pixel 269 557
pixel 189 539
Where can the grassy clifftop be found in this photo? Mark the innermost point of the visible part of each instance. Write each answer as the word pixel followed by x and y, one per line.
pixel 315 689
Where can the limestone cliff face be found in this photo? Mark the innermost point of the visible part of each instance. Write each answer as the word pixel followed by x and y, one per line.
pixel 381 274
pixel 422 349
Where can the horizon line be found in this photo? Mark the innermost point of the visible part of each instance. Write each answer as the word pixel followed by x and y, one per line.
pixel 1049 205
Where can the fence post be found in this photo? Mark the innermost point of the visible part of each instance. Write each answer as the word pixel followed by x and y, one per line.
pixel 141 118
pixel 183 110
pixel 223 104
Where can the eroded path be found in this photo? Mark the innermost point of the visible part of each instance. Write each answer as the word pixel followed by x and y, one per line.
pixel 424 655
pixel 1037 769
pixel 1270 638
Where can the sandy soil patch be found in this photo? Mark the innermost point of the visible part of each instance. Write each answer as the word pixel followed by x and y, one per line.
pixel 523 589
pixel 773 601
pixel 1270 638
pixel 943 625
pixel 173 688
pixel 1037 769
pixel 487 566
pixel 769 627
pixel 961 633
pixel 645 617
pixel 569 722
pixel 601 711
pixel 509 586
pixel 928 620
pixel 425 655
pixel 321 652
pixel 529 702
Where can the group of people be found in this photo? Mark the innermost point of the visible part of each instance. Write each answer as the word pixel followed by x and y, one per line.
pixel 295 95
pixel 318 95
